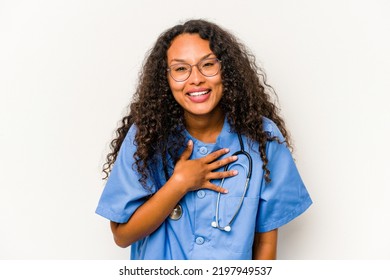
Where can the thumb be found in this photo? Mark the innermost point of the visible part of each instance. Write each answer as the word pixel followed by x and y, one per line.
pixel 188 150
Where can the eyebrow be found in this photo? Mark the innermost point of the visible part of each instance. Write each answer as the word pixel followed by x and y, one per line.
pixel 183 60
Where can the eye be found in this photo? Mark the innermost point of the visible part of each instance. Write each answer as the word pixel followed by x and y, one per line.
pixel 179 68
pixel 208 63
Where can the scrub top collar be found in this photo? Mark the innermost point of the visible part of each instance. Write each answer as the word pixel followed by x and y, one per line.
pixel 223 140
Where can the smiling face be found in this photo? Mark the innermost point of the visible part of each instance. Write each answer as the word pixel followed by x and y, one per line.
pixel 198 95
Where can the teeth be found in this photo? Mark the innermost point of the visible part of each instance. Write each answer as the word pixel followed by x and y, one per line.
pixel 198 93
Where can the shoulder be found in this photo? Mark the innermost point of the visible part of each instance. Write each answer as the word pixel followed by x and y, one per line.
pixel 132 130
pixel 271 128
pixel 130 135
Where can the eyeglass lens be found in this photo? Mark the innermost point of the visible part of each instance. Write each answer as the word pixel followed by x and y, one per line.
pixel 208 67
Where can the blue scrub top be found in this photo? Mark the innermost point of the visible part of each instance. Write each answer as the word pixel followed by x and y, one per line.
pixel 266 206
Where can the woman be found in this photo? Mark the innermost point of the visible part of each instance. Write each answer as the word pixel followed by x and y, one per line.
pixel 177 190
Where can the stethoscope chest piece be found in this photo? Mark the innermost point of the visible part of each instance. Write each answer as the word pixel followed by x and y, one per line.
pixel 176 213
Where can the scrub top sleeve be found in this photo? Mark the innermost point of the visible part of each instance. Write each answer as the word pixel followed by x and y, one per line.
pixel 286 196
pixel 123 193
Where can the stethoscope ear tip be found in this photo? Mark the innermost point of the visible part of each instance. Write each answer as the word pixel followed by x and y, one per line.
pixel 214 224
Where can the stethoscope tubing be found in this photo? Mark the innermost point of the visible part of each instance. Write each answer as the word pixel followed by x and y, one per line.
pixel 215 223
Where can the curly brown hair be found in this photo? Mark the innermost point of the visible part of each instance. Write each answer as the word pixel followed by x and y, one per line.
pixel 246 99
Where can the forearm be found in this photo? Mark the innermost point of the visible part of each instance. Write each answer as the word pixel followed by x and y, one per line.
pixel 265 245
pixel 149 216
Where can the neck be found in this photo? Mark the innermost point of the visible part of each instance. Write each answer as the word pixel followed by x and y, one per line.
pixel 205 128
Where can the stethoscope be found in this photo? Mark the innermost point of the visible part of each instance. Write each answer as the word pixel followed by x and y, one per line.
pixel 178 210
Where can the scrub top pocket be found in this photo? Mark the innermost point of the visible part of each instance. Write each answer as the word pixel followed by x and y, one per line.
pixel 235 241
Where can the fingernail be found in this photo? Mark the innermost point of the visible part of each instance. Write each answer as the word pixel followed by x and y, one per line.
pixel 235 157
pixel 225 191
pixel 235 172
pixel 189 142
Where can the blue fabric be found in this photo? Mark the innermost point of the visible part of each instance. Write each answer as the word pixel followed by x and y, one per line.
pixel 266 206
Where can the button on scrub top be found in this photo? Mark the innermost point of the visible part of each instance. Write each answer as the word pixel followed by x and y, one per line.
pixel 266 206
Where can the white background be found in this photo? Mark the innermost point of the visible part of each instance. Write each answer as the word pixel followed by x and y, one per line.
pixel 67 72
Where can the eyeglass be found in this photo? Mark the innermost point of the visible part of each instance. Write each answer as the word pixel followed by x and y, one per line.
pixel 207 67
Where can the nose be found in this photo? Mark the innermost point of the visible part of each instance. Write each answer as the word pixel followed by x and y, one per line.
pixel 195 76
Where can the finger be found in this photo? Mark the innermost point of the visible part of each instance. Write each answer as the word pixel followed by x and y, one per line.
pixel 221 175
pixel 216 188
pixel 187 151
pixel 215 155
pixel 220 163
